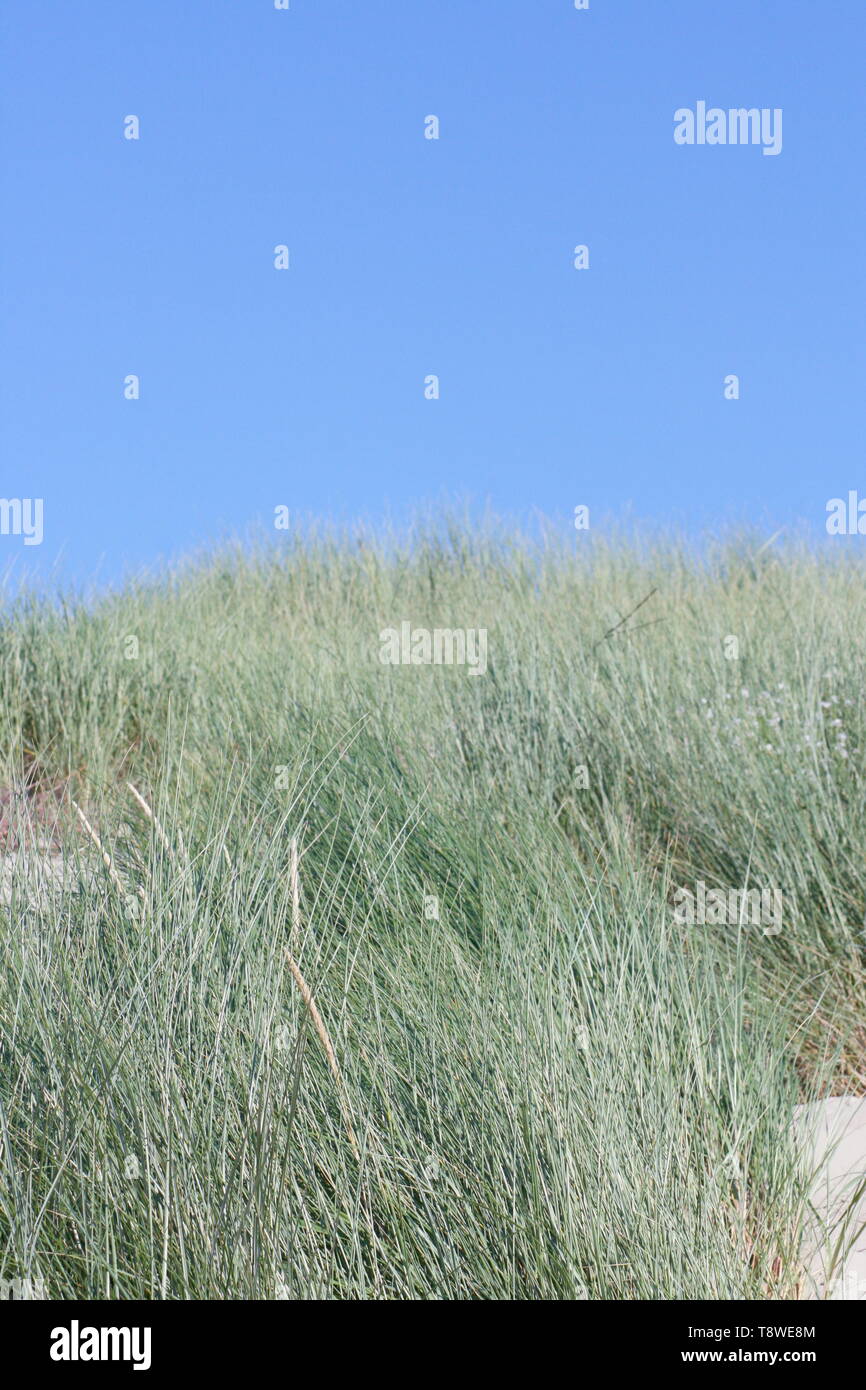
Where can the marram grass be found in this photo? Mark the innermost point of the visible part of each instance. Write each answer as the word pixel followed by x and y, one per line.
pixel 538 1083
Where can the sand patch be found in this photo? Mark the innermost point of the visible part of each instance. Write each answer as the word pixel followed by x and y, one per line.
pixel 832 1134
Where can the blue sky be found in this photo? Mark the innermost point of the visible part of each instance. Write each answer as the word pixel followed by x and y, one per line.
pixel 411 257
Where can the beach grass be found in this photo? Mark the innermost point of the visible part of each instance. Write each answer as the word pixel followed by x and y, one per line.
pixel 366 980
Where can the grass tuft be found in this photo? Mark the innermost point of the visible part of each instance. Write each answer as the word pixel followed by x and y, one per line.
pixel 551 1087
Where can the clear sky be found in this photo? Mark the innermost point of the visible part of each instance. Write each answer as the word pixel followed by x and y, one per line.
pixel 411 257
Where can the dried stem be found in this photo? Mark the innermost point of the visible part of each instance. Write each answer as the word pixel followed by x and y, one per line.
pixel 152 818
pixel 319 1025
pixel 106 857
pixel 296 893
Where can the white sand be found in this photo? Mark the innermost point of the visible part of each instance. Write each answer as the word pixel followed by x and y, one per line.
pixel 833 1136
pixel 32 875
